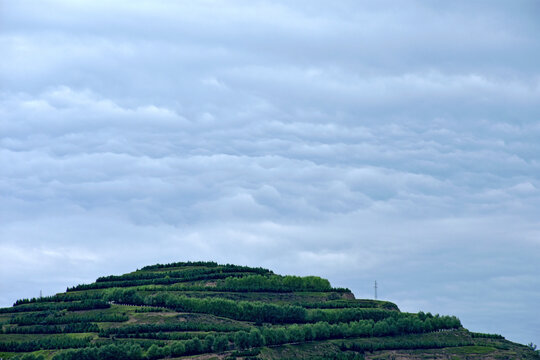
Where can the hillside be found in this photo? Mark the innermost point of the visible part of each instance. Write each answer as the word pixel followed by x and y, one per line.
pixel 203 310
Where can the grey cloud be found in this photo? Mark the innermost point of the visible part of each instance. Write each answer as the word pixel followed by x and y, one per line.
pixel 389 140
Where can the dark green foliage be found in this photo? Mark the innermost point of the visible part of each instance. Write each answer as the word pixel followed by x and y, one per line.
pixel 239 310
pixel 185 274
pixel 181 264
pixel 107 352
pixel 193 346
pixel 148 309
pixel 52 329
pixel 241 340
pixel 344 304
pixel 60 297
pixel 178 348
pixel 177 326
pixel 486 336
pixel 346 355
pixel 29 357
pixel 156 281
pixel 347 314
pixel 53 318
pixel 221 343
pixel 161 336
pixel 48 343
pixel 71 306
pixel 204 271
pixel 392 344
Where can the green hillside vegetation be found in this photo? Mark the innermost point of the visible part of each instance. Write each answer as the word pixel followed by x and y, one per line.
pixel 203 310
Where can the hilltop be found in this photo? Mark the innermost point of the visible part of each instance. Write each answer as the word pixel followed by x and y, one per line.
pixel 203 310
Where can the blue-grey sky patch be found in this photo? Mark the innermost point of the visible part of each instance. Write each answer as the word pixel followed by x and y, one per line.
pixel 386 140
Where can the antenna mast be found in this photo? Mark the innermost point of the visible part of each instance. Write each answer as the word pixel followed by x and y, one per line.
pixel 375 287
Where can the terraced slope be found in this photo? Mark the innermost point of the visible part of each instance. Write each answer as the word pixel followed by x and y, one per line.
pixel 209 311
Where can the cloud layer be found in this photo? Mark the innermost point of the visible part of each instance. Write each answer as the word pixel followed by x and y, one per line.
pixel 394 141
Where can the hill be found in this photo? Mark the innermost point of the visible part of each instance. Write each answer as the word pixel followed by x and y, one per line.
pixel 203 310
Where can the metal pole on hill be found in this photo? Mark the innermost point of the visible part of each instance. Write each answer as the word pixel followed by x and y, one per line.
pixel 375 287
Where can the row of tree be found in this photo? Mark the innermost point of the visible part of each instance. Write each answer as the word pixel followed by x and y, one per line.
pixel 209 264
pixel 405 324
pixel 60 297
pixel 410 343
pixel 157 281
pixel 63 342
pixel 276 335
pixel 55 318
pixel 341 304
pixel 348 314
pixel 71 306
pixel 107 352
pixel 486 336
pixel 178 326
pixel 267 335
pixel 261 312
pixel 131 351
pixel 52 329
pixel 184 335
pixel 258 312
pixel 28 357
pixel 184 274
pixel 274 283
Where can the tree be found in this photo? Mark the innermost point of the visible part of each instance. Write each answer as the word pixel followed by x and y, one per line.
pixel 194 346
pixel 221 343
pixel 255 338
pixel 208 343
pixel 178 348
pixel 241 340
pixel 154 352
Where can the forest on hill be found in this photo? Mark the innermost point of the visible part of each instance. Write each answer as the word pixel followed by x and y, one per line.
pixel 210 311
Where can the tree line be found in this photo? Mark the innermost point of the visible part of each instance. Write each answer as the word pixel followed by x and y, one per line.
pixel 64 342
pixel 184 274
pixel 52 329
pixel 347 314
pixel 58 298
pixel 274 335
pixel 411 343
pixel 341 304
pixel 278 335
pixel 209 264
pixel 239 310
pixel 55 318
pixel 275 283
pixel 267 335
pixel 185 335
pixel 261 312
pixel 107 352
pixel 486 336
pixel 156 281
pixel 70 306
pixel 180 326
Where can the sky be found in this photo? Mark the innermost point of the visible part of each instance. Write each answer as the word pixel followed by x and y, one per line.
pixel 396 141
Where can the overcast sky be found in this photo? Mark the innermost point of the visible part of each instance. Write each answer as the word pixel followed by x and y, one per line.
pixel 388 140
